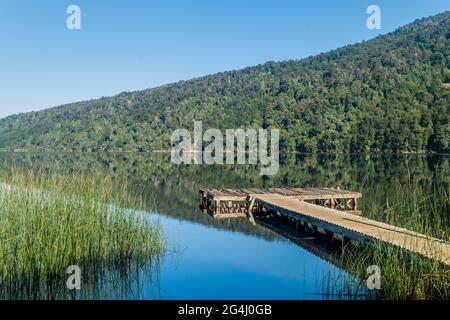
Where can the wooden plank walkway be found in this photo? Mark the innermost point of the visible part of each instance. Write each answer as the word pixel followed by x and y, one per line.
pixel 299 193
pixel 356 227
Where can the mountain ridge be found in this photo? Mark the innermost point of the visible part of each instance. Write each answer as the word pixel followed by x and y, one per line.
pixel 387 94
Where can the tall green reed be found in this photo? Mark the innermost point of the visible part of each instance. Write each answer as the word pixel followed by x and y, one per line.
pixel 406 275
pixel 52 219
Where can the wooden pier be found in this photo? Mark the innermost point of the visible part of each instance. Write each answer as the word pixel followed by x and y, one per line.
pixel 229 203
pixel 329 211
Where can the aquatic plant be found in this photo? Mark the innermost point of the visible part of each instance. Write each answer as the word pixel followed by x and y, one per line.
pixel 50 220
pixel 406 275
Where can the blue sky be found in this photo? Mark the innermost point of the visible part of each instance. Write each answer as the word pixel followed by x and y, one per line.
pixel 136 44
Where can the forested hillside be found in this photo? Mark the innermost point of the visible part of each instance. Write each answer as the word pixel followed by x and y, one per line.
pixel 390 94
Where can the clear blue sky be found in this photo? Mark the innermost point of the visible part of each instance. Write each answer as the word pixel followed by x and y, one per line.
pixel 130 45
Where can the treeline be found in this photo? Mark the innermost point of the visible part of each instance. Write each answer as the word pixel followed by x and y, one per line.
pixel 387 95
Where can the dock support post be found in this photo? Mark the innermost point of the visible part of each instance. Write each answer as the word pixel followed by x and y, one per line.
pixel 250 210
pixel 329 236
pixel 203 206
pixel 217 208
pixel 209 204
pixel 314 230
pixel 298 227
pixel 306 227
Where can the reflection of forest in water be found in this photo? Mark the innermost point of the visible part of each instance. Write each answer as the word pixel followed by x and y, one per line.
pixel 173 190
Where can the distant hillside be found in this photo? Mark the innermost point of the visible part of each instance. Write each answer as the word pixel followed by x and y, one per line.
pixel 390 94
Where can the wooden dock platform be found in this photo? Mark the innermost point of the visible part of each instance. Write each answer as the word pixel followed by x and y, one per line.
pixel 229 203
pixel 330 210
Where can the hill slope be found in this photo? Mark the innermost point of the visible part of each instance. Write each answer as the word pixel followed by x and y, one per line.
pixel 390 94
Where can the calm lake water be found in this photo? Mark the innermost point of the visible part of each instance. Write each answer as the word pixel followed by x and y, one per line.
pixel 232 259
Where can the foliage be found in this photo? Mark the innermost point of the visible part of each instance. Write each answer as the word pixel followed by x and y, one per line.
pixel 390 94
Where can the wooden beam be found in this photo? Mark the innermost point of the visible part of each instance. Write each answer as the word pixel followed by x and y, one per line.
pixel 250 210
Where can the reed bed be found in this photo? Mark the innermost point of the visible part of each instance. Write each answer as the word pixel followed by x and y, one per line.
pixel 405 276
pixel 50 220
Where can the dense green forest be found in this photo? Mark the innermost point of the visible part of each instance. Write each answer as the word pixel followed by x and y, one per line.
pixel 389 94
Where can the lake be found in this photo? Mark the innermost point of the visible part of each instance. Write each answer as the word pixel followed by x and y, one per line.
pixel 233 259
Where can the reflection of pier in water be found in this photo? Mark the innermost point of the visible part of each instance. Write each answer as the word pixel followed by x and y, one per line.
pixel 316 244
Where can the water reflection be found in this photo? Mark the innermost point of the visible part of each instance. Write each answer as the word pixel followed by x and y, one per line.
pixel 99 281
pixel 231 259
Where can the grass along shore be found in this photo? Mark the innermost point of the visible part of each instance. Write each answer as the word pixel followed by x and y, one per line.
pixel 51 220
pixel 404 275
